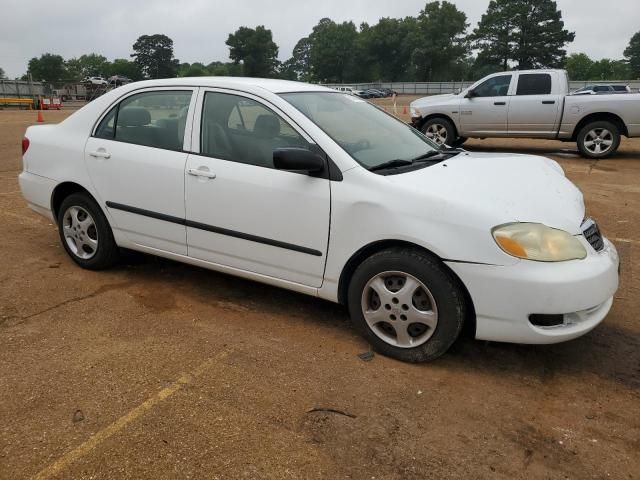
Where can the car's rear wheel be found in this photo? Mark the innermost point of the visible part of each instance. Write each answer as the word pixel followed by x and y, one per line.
pixel 598 139
pixel 440 130
pixel 406 304
pixel 85 232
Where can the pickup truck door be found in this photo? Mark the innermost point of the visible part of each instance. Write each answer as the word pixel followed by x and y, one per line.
pixel 534 110
pixel 484 110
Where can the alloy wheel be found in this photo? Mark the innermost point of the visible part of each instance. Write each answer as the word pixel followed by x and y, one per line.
pixel 399 309
pixel 437 132
pixel 598 140
pixel 80 232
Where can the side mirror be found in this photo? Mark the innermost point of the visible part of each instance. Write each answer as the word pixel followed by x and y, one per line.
pixel 471 94
pixel 297 160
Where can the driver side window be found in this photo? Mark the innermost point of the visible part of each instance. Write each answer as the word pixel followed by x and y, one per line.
pixel 242 130
pixel 494 87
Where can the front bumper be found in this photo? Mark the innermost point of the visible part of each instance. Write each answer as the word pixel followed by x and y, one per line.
pixel 505 296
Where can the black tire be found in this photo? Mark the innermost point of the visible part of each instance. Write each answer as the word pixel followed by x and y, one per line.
pixel 106 253
pixel 448 139
pixel 585 135
pixel 459 142
pixel 443 286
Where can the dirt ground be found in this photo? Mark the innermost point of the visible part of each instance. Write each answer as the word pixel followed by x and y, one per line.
pixel 160 370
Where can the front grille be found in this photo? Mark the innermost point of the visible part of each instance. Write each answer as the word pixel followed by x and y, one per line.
pixel 592 233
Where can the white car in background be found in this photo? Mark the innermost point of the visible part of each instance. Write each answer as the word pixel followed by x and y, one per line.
pixel 349 90
pixel 319 192
pixel 95 81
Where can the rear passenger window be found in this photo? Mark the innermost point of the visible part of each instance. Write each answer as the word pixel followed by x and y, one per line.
pixel 243 130
pixel 534 84
pixel 153 119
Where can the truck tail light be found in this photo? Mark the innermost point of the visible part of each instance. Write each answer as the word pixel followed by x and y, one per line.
pixel 25 145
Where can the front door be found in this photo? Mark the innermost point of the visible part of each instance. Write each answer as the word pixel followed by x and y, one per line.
pixel 534 111
pixel 136 161
pixel 485 112
pixel 243 213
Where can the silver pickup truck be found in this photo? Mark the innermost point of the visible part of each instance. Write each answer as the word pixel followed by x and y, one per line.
pixel 529 104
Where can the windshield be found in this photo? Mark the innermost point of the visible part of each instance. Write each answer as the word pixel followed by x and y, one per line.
pixel 368 134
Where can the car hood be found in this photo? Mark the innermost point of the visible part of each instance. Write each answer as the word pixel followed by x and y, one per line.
pixel 497 189
pixel 431 100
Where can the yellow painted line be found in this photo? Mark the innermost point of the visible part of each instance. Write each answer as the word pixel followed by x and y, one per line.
pixel 102 435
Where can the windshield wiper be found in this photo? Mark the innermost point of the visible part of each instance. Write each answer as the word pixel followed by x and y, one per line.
pixel 391 164
pixel 424 156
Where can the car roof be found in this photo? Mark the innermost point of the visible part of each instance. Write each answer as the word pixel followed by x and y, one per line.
pixel 240 83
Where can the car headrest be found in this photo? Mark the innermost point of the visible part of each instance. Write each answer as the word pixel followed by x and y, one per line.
pixel 133 117
pixel 267 126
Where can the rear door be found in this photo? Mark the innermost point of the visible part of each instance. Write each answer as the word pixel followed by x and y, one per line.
pixel 534 110
pixel 241 211
pixel 485 113
pixel 136 159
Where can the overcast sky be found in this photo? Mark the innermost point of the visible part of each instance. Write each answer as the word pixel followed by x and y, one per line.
pixel 199 28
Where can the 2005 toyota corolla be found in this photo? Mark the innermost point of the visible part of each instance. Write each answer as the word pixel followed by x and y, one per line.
pixel 320 192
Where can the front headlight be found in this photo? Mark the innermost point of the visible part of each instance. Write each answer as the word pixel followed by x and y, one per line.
pixel 414 112
pixel 538 242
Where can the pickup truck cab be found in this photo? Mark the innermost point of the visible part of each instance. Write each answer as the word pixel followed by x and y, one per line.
pixel 529 104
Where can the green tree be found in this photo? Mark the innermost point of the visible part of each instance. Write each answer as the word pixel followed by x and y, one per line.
pixel 578 66
pixel 607 69
pixel 196 69
pixel 125 68
pixel 331 53
pixel 153 55
pixel 439 41
pixel 2 74
pixel 632 55
pixel 48 68
pixel 255 49
pixel 385 51
pixel 530 33
pixel 224 69
pixel 298 67
pixel 91 65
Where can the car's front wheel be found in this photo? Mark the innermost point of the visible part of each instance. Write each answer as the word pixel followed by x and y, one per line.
pixel 85 233
pixel 406 304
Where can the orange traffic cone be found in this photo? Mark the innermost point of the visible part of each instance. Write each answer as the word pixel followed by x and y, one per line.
pixel 40 118
pixel 404 110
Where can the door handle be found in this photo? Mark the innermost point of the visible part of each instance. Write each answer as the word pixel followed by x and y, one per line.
pixel 100 154
pixel 499 103
pixel 197 172
pixel 548 102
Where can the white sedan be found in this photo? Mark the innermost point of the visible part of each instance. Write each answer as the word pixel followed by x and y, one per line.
pixel 320 192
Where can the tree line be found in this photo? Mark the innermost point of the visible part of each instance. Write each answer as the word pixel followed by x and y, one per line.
pixel 435 45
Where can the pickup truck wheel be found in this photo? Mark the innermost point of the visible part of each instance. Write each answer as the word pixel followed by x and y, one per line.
pixel 406 304
pixel 85 233
pixel 459 141
pixel 598 139
pixel 439 130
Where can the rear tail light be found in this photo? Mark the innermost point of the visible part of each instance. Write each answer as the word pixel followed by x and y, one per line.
pixel 25 145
